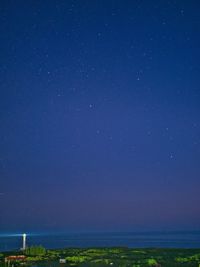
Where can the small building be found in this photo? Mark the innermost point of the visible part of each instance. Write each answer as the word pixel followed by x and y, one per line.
pixel 62 261
pixel 15 258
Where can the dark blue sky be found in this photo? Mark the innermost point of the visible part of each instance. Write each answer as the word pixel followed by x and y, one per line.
pixel 99 115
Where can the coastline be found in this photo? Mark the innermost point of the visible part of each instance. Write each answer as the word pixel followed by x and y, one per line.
pixel 115 256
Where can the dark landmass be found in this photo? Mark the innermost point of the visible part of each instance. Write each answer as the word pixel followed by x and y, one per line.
pixel 99 257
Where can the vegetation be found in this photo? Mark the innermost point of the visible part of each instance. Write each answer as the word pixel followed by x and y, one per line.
pixel 102 257
pixel 35 251
pixel 152 262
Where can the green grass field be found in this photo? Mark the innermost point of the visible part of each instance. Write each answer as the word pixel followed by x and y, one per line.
pixel 100 257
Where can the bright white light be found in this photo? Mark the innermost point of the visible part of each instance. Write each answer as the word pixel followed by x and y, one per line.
pixel 10 235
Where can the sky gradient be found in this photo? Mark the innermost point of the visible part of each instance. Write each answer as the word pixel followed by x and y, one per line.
pixel 99 115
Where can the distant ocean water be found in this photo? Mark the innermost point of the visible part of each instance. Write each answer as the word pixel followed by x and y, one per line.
pixel 132 240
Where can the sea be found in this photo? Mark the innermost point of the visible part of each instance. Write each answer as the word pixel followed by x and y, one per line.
pixel 10 242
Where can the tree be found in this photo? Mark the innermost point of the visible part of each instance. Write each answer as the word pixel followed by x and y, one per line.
pixel 35 251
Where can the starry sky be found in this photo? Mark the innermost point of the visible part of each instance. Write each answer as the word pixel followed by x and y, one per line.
pixel 99 115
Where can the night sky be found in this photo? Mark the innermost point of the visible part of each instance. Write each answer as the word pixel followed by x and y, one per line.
pixel 99 115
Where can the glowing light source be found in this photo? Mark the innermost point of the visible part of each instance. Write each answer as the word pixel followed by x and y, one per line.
pixel 24 242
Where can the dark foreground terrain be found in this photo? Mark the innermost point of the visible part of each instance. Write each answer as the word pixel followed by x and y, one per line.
pixel 100 257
